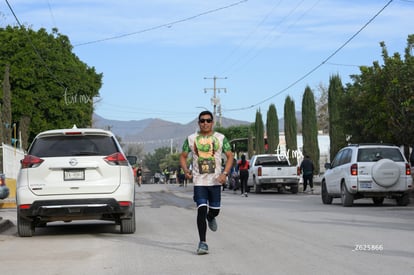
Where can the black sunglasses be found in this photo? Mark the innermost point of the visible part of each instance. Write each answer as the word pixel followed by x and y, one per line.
pixel 208 120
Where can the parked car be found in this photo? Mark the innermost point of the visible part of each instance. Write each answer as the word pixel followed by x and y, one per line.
pixel 376 171
pixel 75 174
pixel 4 190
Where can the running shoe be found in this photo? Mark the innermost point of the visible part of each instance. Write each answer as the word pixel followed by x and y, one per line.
pixel 202 248
pixel 212 224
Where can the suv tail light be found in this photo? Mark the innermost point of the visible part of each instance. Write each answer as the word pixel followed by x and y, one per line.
pixel 354 169
pixel 117 159
pixel 259 171
pixel 125 203
pixel 298 170
pixel 30 161
pixel 25 206
pixel 407 169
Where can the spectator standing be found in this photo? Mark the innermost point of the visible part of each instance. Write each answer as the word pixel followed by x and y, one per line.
pixel 243 167
pixel 307 168
pixel 208 176
pixel 167 175
pixel 234 177
pixel 139 176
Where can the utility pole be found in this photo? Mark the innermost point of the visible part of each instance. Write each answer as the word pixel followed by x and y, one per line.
pixel 216 100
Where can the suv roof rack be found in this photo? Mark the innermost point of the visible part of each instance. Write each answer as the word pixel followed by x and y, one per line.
pixel 377 143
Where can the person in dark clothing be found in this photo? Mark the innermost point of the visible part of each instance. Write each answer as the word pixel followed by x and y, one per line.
pixel 307 168
pixel 139 176
pixel 243 167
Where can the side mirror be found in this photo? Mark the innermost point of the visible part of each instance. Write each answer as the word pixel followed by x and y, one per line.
pixel 327 166
pixel 132 160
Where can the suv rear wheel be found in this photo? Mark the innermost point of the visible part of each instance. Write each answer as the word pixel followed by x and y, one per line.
pixel 128 225
pixel 25 227
pixel 404 200
pixel 346 197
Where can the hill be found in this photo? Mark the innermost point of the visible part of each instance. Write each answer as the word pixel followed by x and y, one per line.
pixel 153 133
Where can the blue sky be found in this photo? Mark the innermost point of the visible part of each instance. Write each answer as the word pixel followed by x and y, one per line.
pixel 158 57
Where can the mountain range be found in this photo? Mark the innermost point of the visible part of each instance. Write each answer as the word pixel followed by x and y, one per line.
pixel 154 133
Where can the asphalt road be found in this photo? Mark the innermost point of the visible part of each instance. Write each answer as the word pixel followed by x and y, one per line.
pixel 268 233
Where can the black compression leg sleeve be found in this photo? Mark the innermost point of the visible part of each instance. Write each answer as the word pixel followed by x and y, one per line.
pixel 201 222
pixel 212 213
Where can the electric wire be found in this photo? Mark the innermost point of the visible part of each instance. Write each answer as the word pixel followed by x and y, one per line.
pixel 316 67
pixel 256 54
pixel 168 25
pixel 257 46
pixel 248 36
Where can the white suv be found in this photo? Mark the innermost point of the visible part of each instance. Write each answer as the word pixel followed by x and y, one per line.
pixel 372 171
pixel 75 174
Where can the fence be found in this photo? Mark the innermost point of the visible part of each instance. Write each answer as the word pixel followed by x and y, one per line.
pixel 11 166
pixel 11 160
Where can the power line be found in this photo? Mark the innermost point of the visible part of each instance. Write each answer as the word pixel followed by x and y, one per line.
pixel 253 52
pixel 318 66
pixel 168 25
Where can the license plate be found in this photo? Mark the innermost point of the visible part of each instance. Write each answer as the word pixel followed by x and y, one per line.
pixel 74 174
pixel 365 184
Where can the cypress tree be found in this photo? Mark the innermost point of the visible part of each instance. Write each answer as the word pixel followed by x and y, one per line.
pixel 259 130
pixel 250 145
pixel 291 130
pixel 336 132
pixel 310 128
pixel 272 129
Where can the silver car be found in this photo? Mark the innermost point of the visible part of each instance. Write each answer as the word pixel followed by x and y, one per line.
pixel 75 174
pixel 376 171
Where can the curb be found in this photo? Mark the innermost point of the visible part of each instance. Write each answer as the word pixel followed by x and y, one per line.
pixel 5 224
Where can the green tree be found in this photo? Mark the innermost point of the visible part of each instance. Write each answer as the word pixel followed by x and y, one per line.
pixel 237 135
pixel 291 132
pixel 152 161
pixel 250 143
pixel 310 128
pixel 272 127
pixel 50 84
pixel 322 109
pixel 382 98
pixel 336 131
pixel 171 161
pixel 259 133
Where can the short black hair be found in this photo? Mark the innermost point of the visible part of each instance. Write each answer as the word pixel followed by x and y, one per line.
pixel 206 112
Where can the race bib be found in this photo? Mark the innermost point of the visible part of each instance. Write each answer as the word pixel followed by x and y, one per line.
pixel 206 166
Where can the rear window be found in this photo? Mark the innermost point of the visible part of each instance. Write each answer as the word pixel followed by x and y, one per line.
pixel 375 154
pixel 63 146
pixel 270 161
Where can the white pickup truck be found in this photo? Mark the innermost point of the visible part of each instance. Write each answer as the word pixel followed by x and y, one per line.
pixel 270 171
